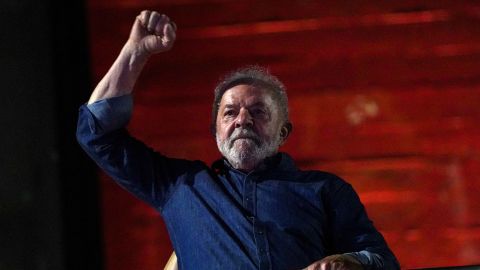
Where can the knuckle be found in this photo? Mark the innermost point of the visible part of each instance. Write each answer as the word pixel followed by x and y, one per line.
pixel 166 18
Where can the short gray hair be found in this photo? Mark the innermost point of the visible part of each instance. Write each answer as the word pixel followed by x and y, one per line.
pixel 255 76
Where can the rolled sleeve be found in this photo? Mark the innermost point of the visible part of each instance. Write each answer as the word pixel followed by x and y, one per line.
pixel 112 113
pixel 369 260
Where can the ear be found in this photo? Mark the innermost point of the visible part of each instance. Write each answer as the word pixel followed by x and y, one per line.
pixel 285 131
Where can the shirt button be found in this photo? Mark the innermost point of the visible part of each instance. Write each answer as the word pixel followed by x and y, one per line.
pixel 260 232
pixel 247 199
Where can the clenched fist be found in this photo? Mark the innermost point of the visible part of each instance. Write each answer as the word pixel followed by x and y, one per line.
pixel 152 33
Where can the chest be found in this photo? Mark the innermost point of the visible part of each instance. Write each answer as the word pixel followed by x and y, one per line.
pixel 261 218
pixel 280 204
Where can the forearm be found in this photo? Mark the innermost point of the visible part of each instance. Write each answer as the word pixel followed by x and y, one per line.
pixel 151 33
pixel 354 232
pixel 373 261
pixel 122 75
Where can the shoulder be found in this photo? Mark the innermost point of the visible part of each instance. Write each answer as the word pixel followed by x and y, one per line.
pixel 326 180
pixel 179 167
pixel 287 166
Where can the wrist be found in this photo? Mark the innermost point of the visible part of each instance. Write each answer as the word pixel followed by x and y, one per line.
pixel 135 53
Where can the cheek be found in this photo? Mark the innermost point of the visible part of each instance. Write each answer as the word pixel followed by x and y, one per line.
pixel 267 129
pixel 272 132
pixel 222 130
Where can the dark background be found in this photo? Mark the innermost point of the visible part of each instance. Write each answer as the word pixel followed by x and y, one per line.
pixel 49 214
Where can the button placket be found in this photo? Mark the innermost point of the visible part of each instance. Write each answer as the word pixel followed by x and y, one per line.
pixel 249 193
pixel 258 228
pixel 262 245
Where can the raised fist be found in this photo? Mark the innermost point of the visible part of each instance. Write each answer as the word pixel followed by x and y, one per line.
pixel 152 33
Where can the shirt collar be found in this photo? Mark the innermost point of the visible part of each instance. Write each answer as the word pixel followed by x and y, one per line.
pixel 278 162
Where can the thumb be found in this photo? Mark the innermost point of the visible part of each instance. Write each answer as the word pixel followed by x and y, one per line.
pixel 168 35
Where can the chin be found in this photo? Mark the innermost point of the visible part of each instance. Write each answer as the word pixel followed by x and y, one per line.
pixel 245 160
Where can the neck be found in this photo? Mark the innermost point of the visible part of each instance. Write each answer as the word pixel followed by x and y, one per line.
pixel 246 166
pixel 250 165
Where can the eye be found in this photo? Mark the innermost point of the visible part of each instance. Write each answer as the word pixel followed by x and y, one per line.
pixel 258 112
pixel 229 113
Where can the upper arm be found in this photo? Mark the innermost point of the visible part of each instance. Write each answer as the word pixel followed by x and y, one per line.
pixel 133 165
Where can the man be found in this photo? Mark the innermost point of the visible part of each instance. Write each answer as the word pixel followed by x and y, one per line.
pixel 253 209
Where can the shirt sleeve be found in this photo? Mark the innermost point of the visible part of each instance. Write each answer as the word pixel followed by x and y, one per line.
pixel 354 234
pixel 112 113
pixel 368 259
pixel 147 174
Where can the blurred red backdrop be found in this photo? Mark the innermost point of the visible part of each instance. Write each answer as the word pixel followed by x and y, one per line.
pixel 385 94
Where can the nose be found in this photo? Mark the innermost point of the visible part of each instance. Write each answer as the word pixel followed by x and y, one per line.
pixel 244 119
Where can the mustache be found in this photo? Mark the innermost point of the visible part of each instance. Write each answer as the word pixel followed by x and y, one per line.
pixel 244 133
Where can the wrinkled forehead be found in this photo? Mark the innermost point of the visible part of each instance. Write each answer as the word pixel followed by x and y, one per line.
pixel 247 95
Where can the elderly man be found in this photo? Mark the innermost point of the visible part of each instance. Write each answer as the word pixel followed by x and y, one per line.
pixel 253 209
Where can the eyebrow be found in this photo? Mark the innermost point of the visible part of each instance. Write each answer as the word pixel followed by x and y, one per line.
pixel 229 106
pixel 257 104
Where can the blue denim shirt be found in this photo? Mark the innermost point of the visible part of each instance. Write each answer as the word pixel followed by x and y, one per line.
pixel 277 217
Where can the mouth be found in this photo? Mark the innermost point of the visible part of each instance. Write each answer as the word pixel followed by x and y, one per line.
pixel 245 138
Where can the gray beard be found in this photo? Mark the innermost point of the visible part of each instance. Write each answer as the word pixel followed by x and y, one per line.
pixel 245 150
